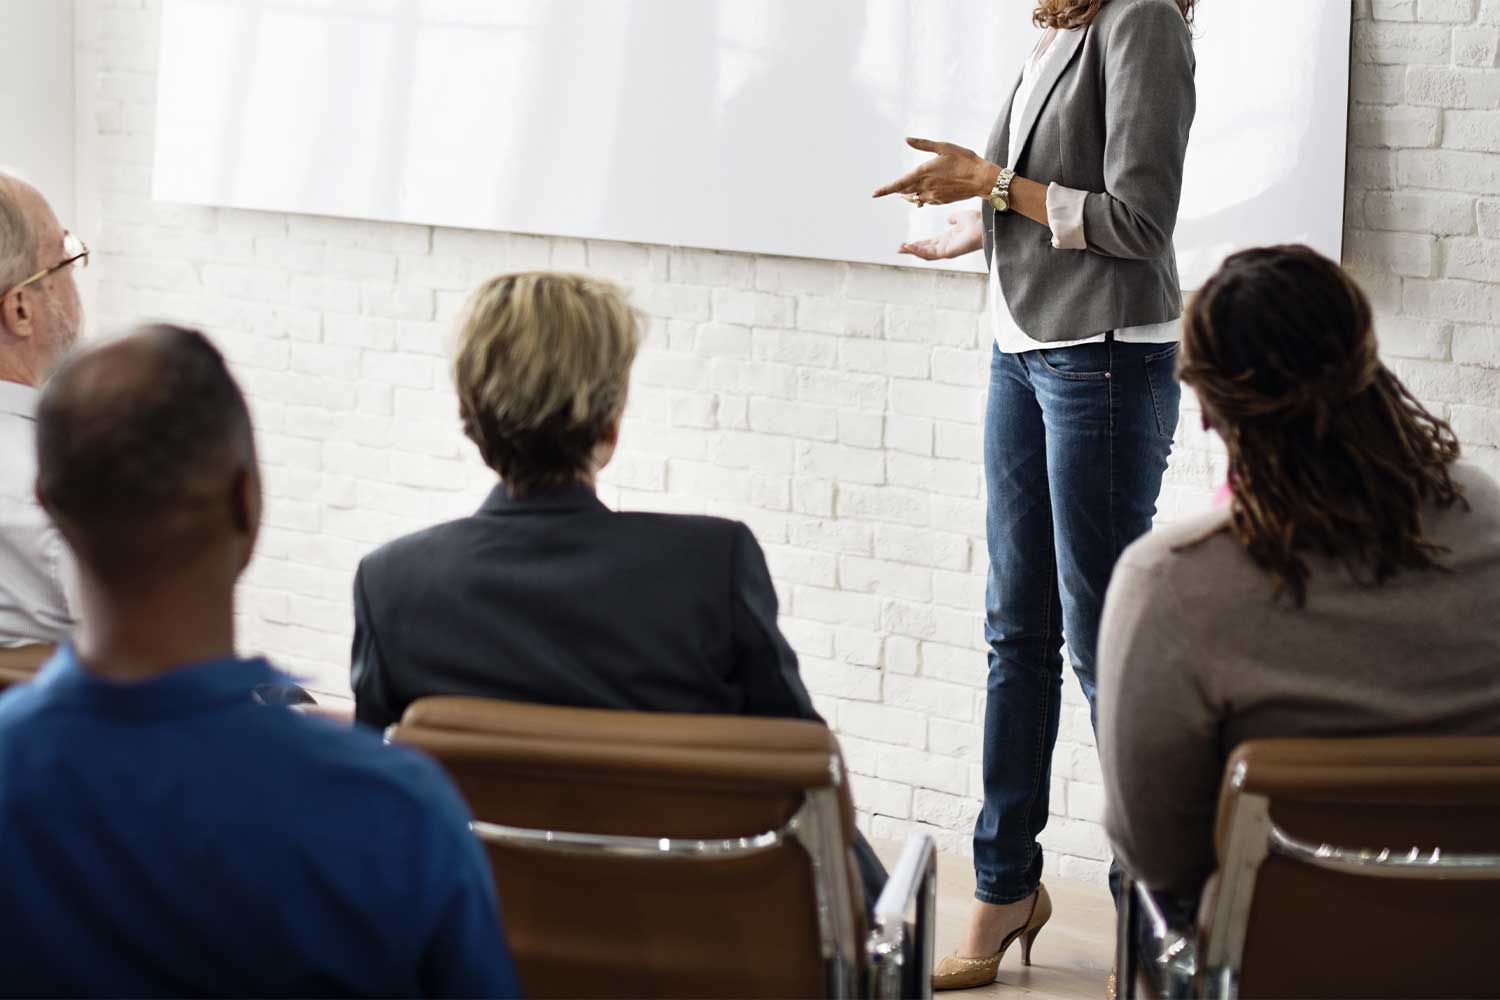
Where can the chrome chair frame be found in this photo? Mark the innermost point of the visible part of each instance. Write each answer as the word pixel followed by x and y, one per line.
pixel 1173 964
pixel 897 958
pixel 900 949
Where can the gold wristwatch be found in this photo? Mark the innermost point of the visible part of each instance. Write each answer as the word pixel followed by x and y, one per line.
pixel 999 197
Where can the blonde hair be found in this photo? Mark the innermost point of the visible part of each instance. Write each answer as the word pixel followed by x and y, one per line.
pixel 542 372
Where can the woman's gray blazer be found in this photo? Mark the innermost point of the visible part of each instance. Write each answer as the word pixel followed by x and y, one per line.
pixel 1110 118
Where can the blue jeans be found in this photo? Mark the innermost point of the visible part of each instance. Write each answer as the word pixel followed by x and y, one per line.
pixel 1076 442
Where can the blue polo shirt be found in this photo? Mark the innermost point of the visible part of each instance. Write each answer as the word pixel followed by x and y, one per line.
pixel 179 837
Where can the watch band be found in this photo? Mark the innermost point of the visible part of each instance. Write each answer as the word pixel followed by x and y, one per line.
pixel 999 197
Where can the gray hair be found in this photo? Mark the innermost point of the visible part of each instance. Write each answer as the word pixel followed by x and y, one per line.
pixel 18 246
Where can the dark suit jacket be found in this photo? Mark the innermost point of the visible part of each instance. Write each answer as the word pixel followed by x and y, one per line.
pixel 556 599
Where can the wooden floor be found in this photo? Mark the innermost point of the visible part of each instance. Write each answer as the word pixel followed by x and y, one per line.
pixel 1072 955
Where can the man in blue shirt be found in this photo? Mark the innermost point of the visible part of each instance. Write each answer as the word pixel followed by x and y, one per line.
pixel 162 830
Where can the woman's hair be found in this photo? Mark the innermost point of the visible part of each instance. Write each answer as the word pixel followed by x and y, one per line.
pixel 542 372
pixel 1065 15
pixel 1328 452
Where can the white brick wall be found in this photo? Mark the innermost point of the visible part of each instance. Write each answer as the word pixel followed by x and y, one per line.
pixel 833 407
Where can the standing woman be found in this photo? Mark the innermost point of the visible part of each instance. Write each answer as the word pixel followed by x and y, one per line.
pixel 1081 184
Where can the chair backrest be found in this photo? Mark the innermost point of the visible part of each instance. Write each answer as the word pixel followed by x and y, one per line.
pixel 651 854
pixel 1357 868
pixel 20 663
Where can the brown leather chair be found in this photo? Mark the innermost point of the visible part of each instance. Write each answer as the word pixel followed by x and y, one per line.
pixel 1320 891
pixel 19 664
pixel 652 854
pixel 338 714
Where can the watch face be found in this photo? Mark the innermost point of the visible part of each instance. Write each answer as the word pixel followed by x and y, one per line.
pixel 1000 202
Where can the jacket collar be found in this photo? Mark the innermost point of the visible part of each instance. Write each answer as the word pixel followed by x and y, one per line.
pixel 18 400
pixel 1067 44
pixel 575 497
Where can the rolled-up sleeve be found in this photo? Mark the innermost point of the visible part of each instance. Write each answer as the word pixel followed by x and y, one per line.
pixel 1150 101
pixel 1065 217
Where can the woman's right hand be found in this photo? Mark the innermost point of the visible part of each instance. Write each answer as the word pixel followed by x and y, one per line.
pixel 965 235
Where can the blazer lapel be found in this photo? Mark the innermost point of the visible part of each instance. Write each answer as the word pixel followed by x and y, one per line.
pixel 996 149
pixel 1069 43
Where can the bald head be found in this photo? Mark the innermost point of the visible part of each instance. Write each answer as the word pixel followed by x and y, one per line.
pixel 145 456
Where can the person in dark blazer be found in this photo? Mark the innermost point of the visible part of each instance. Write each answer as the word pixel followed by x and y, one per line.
pixel 546 595
pixel 551 597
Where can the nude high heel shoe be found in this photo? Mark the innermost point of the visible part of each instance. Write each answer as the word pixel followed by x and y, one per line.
pixel 954 973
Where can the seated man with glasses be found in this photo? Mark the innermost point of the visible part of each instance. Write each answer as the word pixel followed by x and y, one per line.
pixel 40 317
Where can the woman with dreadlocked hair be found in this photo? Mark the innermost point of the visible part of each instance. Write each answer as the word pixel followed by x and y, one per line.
pixel 1350 587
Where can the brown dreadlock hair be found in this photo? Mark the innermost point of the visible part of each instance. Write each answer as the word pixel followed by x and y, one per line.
pixel 1065 15
pixel 1328 452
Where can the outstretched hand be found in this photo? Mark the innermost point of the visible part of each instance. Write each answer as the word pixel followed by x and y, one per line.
pixel 965 236
pixel 953 174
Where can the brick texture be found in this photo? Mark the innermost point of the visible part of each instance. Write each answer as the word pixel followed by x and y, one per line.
pixel 835 408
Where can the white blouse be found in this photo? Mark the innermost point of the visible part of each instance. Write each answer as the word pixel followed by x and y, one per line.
pixel 1065 218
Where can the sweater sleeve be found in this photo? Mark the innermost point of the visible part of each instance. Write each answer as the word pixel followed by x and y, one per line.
pixel 1158 733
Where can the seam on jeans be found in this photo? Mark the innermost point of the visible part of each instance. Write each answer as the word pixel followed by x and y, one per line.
pixel 1041 355
pixel 1147 362
pixel 1041 733
pixel 1155 396
pixel 1114 443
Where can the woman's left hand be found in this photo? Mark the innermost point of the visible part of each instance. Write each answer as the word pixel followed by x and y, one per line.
pixel 954 174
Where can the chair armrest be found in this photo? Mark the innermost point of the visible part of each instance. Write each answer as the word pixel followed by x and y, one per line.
pixel 337 714
pixel 1149 944
pixel 899 951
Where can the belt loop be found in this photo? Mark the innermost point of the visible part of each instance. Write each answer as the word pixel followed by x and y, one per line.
pixel 1109 338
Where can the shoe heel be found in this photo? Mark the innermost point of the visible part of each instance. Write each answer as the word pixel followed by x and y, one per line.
pixel 1027 940
pixel 1041 912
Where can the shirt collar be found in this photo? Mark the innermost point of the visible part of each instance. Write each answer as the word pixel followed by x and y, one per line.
pixel 560 499
pixel 18 400
pixel 193 687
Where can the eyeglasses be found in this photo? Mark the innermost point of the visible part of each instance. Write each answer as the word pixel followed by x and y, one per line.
pixel 74 252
